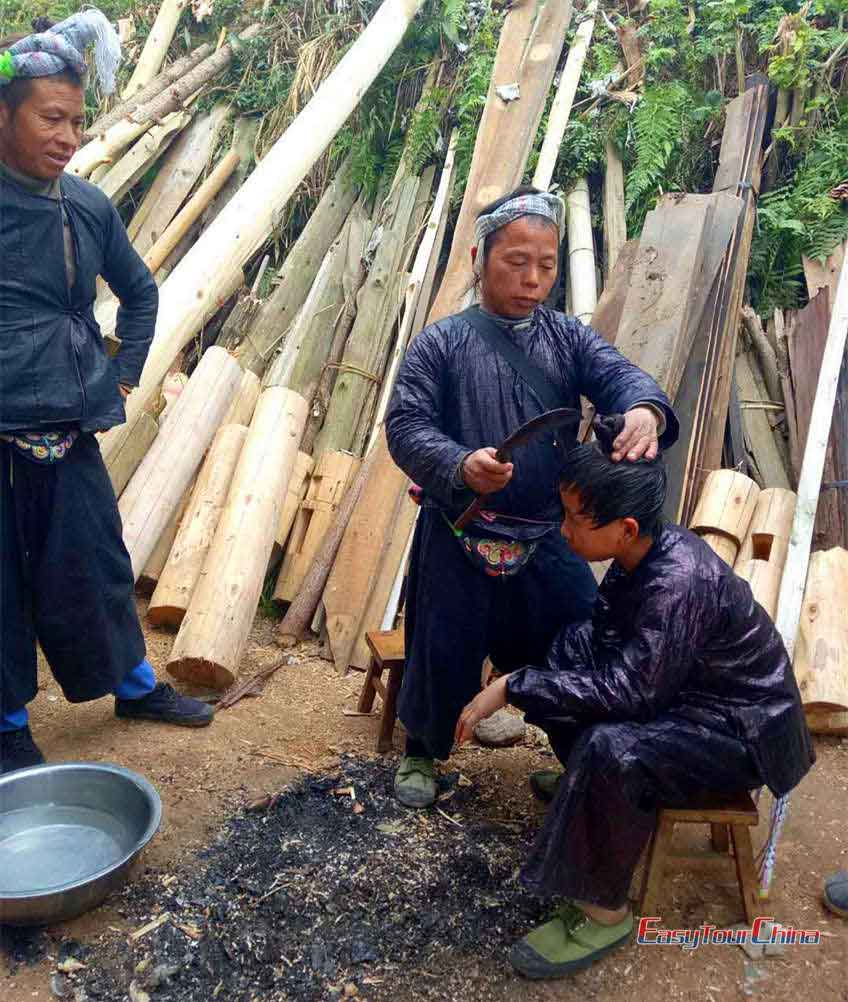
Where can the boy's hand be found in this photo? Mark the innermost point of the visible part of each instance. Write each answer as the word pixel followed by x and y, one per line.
pixel 484 474
pixel 484 704
pixel 638 438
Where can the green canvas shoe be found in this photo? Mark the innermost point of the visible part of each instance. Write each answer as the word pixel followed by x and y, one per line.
pixel 566 944
pixel 544 783
pixel 415 782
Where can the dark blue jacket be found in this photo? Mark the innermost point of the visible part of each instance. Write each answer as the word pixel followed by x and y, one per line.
pixel 455 394
pixel 680 637
pixel 54 370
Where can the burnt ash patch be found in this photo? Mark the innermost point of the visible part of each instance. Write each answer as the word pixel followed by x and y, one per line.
pixel 316 898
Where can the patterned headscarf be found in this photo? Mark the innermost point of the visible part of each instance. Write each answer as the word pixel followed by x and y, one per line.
pixel 543 204
pixel 63 47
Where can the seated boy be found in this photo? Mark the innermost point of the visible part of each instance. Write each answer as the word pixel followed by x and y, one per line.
pixel 679 683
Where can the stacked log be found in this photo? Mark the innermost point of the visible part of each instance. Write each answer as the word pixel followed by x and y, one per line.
pixel 724 512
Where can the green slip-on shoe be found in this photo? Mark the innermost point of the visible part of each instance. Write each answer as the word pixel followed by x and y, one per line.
pixel 544 783
pixel 415 782
pixel 566 944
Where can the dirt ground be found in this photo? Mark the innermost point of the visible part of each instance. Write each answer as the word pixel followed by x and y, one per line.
pixel 301 724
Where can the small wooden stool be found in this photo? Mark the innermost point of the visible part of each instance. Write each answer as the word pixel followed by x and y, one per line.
pixel 730 818
pixel 387 652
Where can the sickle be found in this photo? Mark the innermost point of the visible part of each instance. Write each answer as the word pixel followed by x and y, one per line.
pixel 526 433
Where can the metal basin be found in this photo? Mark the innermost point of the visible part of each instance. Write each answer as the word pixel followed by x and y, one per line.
pixel 68 836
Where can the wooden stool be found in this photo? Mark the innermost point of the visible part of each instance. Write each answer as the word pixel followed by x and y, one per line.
pixel 387 652
pixel 730 818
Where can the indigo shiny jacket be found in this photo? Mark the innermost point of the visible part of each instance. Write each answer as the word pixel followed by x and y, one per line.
pixel 680 636
pixel 54 369
pixel 455 394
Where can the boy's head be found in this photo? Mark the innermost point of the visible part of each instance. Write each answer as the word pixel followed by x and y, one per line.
pixel 610 508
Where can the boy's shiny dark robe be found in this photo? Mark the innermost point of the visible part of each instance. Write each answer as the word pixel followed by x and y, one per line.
pixel 679 683
pixel 455 394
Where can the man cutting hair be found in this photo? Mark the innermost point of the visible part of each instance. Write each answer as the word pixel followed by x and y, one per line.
pixel 505 583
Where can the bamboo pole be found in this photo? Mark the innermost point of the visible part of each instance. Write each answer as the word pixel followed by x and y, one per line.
pixel 155 46
pixel 153 494
pixel 581 252
pixel 191 543
pixel 193 210
pixel 809 483
pixel 561 107
pixel 215 628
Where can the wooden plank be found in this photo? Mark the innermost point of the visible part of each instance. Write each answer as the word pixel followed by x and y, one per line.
pixel 655 330
pixel 607 315
pixel 821 654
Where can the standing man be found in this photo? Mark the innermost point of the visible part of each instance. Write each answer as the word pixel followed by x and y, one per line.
pixel 509 582
pixel 65 575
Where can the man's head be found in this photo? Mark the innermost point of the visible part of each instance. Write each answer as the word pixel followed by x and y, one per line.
pixel 42 90
pixel 517 252
pixel 610 509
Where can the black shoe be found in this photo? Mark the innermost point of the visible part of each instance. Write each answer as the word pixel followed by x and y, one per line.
pixel 18 751
pixel 167 706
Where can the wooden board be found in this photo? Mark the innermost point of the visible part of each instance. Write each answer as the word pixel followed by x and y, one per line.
pixel 615 221
pixel 295 494
pixel 657 327
pixel 821 651
pixel 607 315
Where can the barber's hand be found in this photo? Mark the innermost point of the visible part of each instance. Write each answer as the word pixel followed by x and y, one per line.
pixel 484 704
pixel 484 474
pixel 125 390
pixel 638 438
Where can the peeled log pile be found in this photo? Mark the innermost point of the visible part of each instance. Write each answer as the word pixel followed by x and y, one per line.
pixel 725 510
pixel 191 544
pixel 507 129
pixel 295 493
pixel 821 652
pixel 153 494
pixel 215 629
pixel 771 526
pixel 327 486
pixel 724 546
pixel 764 578
pixel 324 315
pixel 181 167
pixel 377 308
pixel 244 402
pixel 133 164
pixel 297 274
pixel 159 557
pixel 131 452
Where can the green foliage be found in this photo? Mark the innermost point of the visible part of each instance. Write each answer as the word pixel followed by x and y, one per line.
pixel 800 218
pixel 261 84
pixel 453 19
pixel 661 126
pixel 424 134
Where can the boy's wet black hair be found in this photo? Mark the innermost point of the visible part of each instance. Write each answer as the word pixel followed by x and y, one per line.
pixel 609 490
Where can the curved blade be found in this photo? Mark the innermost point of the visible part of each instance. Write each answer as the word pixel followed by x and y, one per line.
pixel 538 426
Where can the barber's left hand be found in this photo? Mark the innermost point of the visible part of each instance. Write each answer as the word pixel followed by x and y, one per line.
pixel 484 704
pixel 638 438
